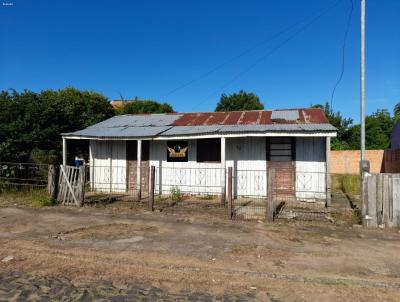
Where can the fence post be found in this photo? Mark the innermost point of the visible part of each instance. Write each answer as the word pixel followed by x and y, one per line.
pixel 81 185
pixel 151 195
pixel 52 181
pixel 230 205
pixel 269 215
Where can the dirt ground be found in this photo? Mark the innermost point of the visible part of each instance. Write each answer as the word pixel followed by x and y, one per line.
pixel 125 253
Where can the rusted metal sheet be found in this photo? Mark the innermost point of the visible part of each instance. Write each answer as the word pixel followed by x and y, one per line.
pixel 292 116
pixel 153 125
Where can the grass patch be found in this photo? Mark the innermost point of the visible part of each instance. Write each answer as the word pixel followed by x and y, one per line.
pixel 346 183
pixel 36 198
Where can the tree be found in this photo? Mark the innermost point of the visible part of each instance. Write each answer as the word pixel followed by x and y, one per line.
pixel 144 106
pixel 341 141
pixel 31 123
pixel 397 110
pixel 378 127
pixel 239 101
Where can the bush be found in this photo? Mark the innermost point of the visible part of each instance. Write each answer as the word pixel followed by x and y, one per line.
pixel 176 194
pixel 346 183
pixel 44 202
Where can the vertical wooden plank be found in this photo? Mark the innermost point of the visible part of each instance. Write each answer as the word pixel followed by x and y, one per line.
pixel 269 216
pixel 67 171
pixel 229 196
pixel 110 163
pixel 371 201
pixel 151 195
pixel 138 169
pixel 223 169
pixel 396 200
pixel 81 186
pixel 390 200
pixel 328 171
pixel 52 181
pixel 385 200
pixel 64 151
pixel 379 198
pixel 92 164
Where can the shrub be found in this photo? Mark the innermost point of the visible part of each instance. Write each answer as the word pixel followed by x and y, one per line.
pixel 176 194
pixel 44 202
pixel 346 183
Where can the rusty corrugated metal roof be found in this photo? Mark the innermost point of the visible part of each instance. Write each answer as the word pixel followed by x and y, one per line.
pixel 257 117
pixel 258 121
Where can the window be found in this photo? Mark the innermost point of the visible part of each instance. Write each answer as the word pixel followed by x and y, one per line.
pixel 281 149
pixel 131 150
pixel 209 150
pixel 177 151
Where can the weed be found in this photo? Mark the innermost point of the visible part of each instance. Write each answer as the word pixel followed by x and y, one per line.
pixel 346 183
pixel 44 202
pixel 176 194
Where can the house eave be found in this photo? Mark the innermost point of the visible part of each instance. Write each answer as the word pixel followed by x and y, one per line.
pixel 200 136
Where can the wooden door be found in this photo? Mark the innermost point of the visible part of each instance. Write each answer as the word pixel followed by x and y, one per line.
pixel 131 158
pixel 281 152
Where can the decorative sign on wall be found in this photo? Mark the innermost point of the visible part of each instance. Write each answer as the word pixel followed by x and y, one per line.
pixel 177 151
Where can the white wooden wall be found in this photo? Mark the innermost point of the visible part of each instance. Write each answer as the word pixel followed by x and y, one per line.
pixel 190 176
pixel 310 168
pixel 247 157
pixel 108 166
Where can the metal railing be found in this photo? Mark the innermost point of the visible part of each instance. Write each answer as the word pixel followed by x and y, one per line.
pixel 22 176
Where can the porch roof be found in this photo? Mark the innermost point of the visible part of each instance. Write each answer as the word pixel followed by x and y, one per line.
pixel 242 123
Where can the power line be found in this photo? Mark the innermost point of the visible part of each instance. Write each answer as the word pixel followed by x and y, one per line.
pixel 343 52
pixel 246 51
pixel 272 51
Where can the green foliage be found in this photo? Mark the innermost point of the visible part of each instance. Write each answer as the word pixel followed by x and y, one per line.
pixel 33 121
pixel 346 183
pixel 144 106
pixel 378 127
pixel 176 194
pixel 340 142
pixel 44 202
pixel 29 197
pixel 239 101
pixel 397 111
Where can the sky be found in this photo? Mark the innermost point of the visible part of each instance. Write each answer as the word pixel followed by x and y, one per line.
pixel 188 53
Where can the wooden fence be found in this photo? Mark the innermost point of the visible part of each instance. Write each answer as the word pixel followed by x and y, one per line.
pixel 381 201
pixel 71 185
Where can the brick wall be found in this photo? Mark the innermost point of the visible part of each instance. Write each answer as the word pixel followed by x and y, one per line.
pixel 392 161
pixel 348 161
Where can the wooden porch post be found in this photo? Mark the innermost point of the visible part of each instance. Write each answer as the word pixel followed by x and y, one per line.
pixel 138 169
pixel 223 168
pixel 64 151
pixel 328 171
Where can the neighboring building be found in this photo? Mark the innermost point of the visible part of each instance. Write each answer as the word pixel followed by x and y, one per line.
pixel 118 104
pixel 395 137
pixel 193 150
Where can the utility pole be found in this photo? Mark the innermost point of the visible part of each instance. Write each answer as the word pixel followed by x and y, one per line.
pixel 362 75
pixel 364 164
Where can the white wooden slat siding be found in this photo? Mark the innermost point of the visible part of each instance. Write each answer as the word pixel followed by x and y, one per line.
pixel 188 176
pixel 246 156
pixel 118 166
pixel 310 168
pixel 106 171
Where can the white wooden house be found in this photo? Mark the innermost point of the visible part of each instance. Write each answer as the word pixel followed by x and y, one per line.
pixel 193 150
